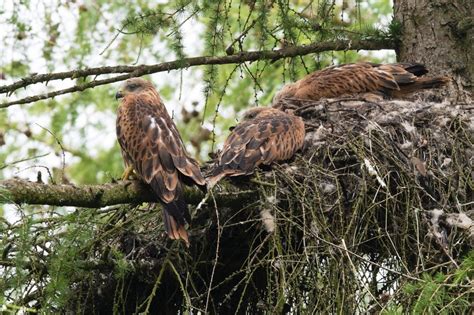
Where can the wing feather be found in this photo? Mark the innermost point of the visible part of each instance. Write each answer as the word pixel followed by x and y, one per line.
pixel 255 142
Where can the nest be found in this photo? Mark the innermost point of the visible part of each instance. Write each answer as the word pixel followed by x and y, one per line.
pixel 382 195
pixel 376 210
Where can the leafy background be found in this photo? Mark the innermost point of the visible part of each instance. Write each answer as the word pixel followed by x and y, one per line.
pixel 74 135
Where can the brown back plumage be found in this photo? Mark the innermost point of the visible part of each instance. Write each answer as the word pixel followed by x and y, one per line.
pixel 265 135
pixel 151 144
pixel 391 80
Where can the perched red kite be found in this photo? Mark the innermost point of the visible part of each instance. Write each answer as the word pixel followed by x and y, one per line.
pixel 392 80
pixel 265 135
pixel 152 147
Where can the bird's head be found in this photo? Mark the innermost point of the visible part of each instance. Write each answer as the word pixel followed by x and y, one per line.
pixel 288 91
pixel 259 112
pixel 134 86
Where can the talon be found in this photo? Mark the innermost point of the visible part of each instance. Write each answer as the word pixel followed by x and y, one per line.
pixel 127 173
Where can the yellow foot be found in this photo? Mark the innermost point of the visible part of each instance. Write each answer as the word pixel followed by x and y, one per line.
pixel 127 173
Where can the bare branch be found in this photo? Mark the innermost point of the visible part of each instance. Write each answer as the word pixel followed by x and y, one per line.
pixel 135 71
pixel 75 88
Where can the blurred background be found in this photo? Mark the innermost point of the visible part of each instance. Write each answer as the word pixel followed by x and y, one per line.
pixel 72 137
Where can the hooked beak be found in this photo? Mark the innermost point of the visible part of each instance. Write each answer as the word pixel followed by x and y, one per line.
pixel 119 94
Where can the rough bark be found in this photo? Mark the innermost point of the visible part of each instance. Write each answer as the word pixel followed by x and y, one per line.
pixel 440 34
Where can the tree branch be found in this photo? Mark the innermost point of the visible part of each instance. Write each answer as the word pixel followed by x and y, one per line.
pixel 75 88
pixel 96 196
pixel 135 71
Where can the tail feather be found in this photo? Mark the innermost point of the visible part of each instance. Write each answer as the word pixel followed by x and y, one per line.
pixel 175 217
pixel 424 84
pixel 429 83
pixel 410 85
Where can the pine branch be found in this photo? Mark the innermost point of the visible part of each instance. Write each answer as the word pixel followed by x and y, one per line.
pixel 96 196
pixel 135 71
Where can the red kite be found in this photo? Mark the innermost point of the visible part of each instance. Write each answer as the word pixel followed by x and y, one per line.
pixel 265 135
pixel 391 80
pixel 152 147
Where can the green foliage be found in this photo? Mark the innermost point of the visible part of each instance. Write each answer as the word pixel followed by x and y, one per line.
pixel 395 30
pixel 15 69
pixel 104 167
pixel 440 293
pixel 60 242
pixel 62 262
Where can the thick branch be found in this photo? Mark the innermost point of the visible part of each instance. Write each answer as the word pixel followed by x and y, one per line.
pixel 134 71
pixel 96 196
pixel 93 196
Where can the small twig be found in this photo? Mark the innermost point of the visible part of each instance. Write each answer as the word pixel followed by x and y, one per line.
pixel 354 270
pixel 219 234
pixel 63 155
pixel 39 173
pixel 259 182
pixel 367 260
pixel 241 35
pixel 111 42
pixel 23 160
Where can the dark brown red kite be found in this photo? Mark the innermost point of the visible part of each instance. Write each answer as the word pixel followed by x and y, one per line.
pixel 152 147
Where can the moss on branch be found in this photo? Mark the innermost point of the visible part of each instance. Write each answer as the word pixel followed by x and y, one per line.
pixel 20 191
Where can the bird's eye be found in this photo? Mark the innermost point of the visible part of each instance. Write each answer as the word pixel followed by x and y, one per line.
pixel 132 86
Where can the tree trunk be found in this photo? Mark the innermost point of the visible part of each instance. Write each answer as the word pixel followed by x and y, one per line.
pixel 439 34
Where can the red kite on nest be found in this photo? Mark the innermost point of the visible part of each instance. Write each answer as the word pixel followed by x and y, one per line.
pixel 152 147
pixel 265 135
pixel 390 80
